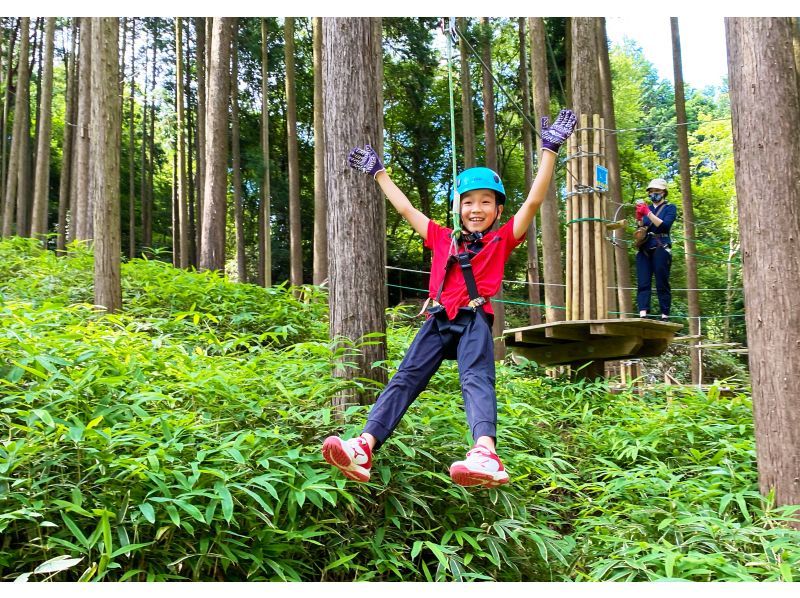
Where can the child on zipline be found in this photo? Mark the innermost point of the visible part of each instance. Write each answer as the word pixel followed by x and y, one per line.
pixel 459 320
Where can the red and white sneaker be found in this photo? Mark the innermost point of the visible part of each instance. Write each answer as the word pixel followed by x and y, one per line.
pixel 353 457
pixel 482 467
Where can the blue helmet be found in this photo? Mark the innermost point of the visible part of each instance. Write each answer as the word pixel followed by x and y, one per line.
pixel 480 178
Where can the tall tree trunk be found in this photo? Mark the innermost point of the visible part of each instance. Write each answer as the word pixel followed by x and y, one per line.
pixel 42 180
pixel 241 263
pixel 69 135
pixel 356 220
pixel 686 195
pixel 6 108
pixel 83 209
pixel 147 207
pixel 104 168
pixel 490 145
pixel 796 43
pixel 14 157
pixel 551 226
pixel 264 209
pixel 191 184
pixel 586 100
pixel 183 208
pixel 200 32
pixel 534 292
pixel 176 210
pixel 467 114
pixel 764 98
pixel 295 230
pixel 614 195
pixel 212 254
pixel 143 147
pixel 132 149
pixel 320 201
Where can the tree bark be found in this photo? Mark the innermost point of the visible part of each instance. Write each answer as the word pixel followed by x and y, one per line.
pixel 191 183
pixel 320 200
pixel 42 180
pixel 490 146
pixel 131 149
pixel 295 230
pixel 264 210
pixel 614 195
pixel 241 263
pixel 6 107
pixel 83 209
pixel 586 100
pixel 357 218
pixel 200 30
pixel 467 114
pixel 690 249
pixel 183 208
pixel 551 225
pixel 212 254
pixel 143 147
pixel 764 99
pixel 14 157
pixel 67 144
pixel 104 162
pixel 534 291
pixel 147 204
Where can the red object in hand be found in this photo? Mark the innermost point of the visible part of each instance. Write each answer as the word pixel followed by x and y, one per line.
pixel 642 210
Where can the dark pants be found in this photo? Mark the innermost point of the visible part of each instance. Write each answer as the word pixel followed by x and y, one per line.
pixel 473 349
pixel 656 261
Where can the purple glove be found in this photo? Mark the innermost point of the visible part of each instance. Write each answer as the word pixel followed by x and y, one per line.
pixel 366 160
pixel 553 136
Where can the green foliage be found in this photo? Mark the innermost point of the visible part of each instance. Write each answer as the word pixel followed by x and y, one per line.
pixel 174 441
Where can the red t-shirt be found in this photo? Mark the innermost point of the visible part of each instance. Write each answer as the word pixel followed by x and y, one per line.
pixel 487 265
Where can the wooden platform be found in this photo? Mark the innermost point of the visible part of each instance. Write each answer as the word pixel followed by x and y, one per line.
pixel 581 341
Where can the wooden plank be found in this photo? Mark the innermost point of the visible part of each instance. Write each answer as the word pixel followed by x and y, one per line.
pixel 610 348
pixel 570 227
pixel 629 330
pixel 576 236
pixel 615 225
pixel 585 261
pixel 528 338
pixel 601 310
pixel 572 333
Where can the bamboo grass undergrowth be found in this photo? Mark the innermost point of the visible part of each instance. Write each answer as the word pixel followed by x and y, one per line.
pixel 179 440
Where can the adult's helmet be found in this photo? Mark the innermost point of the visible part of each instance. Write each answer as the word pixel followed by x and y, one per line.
pixel 480 178
pixel 659 184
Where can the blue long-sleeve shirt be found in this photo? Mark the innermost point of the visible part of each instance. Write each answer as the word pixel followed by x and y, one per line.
pixel 667 214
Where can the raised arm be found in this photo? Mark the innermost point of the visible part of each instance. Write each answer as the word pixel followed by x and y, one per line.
pixel 367 161
pixel 552 138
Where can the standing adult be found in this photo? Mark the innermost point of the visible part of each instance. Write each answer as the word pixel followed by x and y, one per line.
pixel 655 253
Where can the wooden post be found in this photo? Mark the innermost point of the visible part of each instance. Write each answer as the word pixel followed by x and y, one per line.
pixel 570 231
pixel 586 263
pixel 575 228
pixel 598 225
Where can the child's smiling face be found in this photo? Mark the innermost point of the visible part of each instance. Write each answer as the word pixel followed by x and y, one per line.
pixel 479 210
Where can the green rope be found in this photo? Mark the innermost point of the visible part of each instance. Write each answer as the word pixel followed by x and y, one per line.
pixel 588 220
pixel 456 195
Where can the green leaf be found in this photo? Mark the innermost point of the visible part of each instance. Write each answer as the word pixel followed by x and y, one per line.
pixel 147 510
pixel 44 416
pixel 76 531
pixel 227 500
pixel 415 550
pixel 59 563
pixel 437 551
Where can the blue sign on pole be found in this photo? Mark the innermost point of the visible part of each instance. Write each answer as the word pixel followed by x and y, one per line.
pixel 600 178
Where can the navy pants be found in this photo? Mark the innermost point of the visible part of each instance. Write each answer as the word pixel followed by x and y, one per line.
pixel 473 349
pixel 656 261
